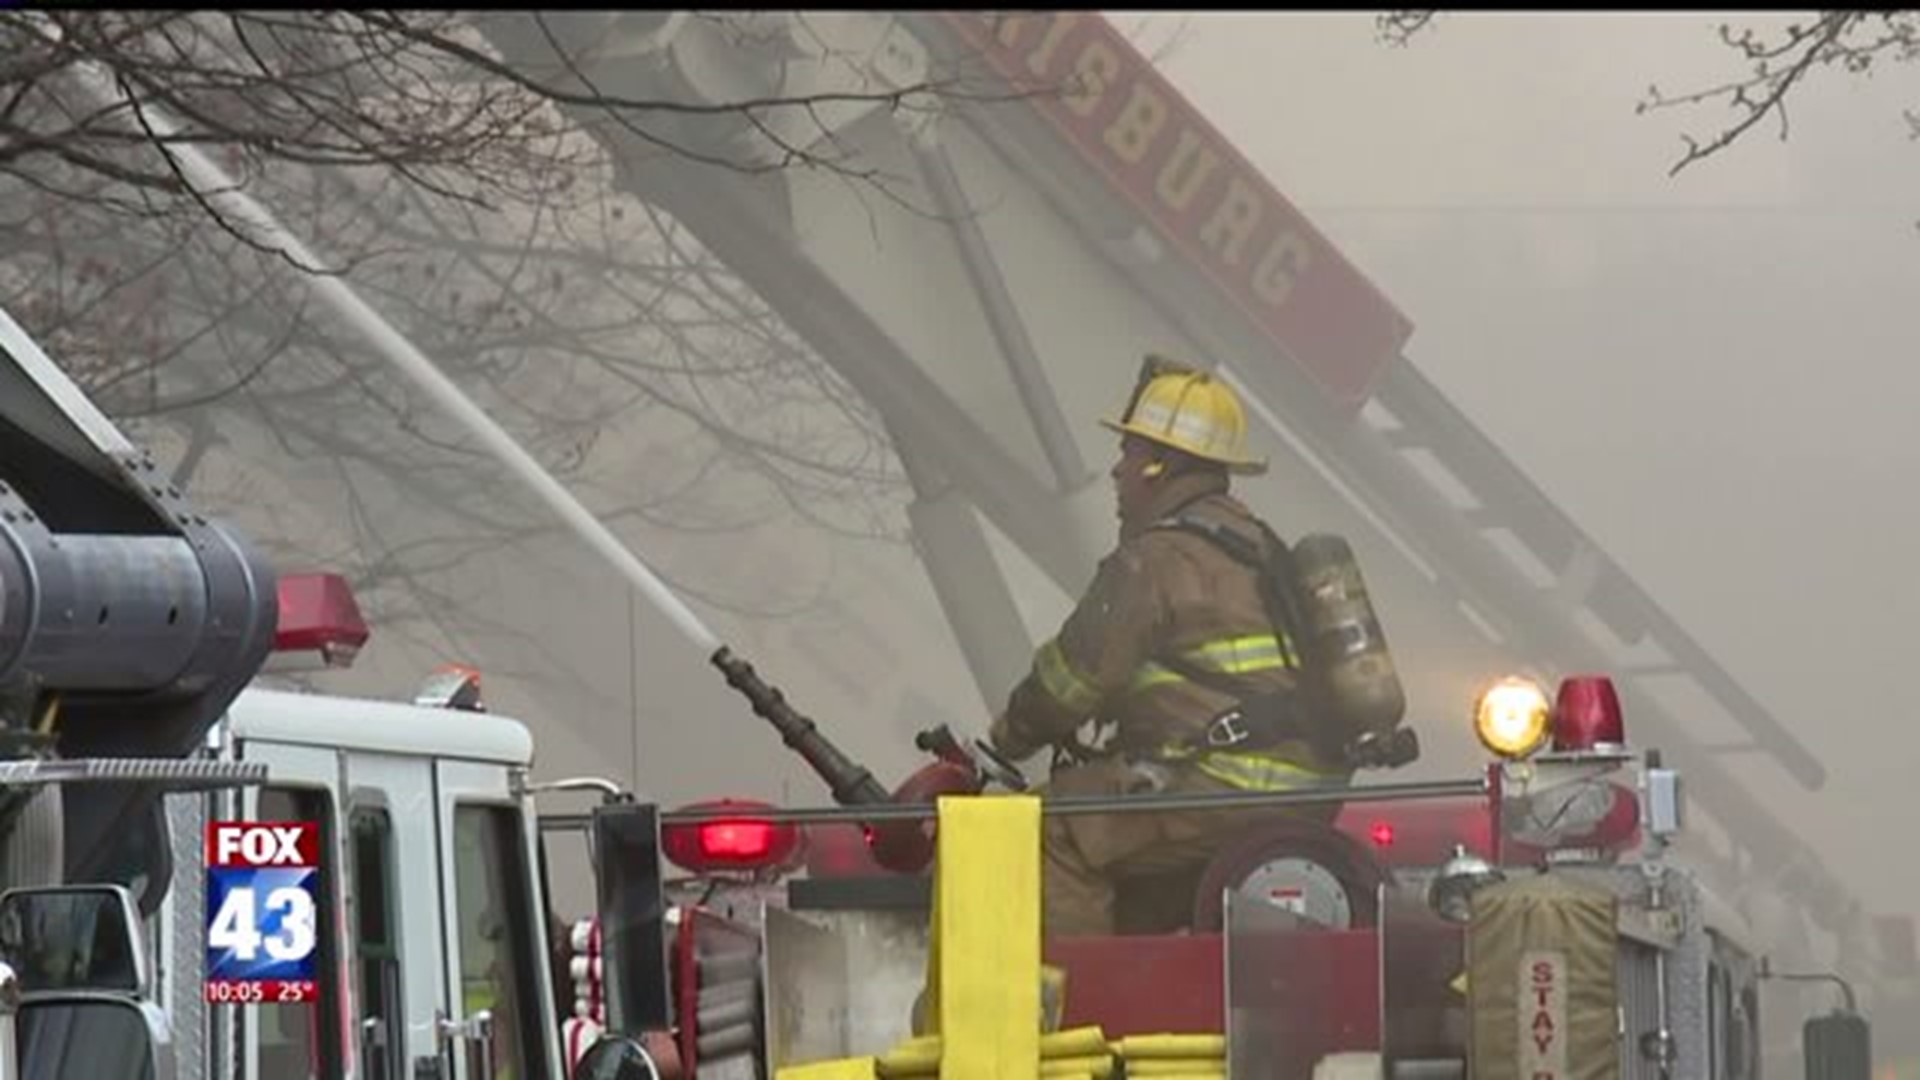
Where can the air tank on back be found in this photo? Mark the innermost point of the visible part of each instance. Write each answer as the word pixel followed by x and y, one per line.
pixel 1345 645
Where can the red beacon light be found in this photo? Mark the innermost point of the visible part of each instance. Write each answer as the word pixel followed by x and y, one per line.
pixel 320 624
pixel 734 842
pixel 1587 720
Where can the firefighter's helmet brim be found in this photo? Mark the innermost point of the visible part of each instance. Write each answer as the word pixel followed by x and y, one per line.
pixel 1236 465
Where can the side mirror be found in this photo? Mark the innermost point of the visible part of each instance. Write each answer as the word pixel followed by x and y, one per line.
pixel 1838 1046
pixel 80 1036
pixel 616 1057
pixel 633 914
pixel 73 938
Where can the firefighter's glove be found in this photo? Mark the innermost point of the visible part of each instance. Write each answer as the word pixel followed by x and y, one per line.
pixel 1005 742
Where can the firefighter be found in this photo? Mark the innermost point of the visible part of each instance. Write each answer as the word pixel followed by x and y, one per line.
pixel 1166 598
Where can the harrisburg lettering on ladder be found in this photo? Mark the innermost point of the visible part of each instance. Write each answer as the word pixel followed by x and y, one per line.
pixel 1543 1015
pixel 1198 192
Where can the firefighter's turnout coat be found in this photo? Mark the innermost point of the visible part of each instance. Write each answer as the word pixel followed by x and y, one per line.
pixel 1163 592
pixel 1167 592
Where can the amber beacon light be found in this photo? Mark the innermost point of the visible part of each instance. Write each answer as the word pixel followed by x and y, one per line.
pixel 1512 717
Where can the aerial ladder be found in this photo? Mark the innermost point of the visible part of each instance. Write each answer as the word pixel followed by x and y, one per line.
pixel 987 264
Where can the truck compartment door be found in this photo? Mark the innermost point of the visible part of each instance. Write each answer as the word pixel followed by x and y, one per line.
pixel 502 1024
pixel 399 977
pixel 304 1039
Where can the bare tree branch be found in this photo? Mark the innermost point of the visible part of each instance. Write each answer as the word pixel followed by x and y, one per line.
pixel 1776 68
pixel 484 221
pixel 1854 43
pixel 1398 28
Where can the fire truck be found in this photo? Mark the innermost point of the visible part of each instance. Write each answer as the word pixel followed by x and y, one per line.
pixel 1527 922
pixel 139 643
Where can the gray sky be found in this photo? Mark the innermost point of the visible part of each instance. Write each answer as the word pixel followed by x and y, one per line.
pixel 1711 373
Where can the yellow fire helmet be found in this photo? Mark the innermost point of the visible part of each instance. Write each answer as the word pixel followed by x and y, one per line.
pixel 1192 412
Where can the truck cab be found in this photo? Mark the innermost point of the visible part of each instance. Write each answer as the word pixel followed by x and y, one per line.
pixel 134 633
pixel 434 907
pixel 432 957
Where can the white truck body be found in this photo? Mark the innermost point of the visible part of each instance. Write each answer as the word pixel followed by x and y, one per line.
pixel 434 906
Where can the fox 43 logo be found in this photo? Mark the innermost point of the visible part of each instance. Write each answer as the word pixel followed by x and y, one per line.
pixel 263 924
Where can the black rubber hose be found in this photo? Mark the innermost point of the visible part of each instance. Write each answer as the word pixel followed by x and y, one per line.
pixel 852 784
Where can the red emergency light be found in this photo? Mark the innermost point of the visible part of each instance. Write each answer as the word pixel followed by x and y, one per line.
pixel 320 623
pixel 733 842
pixel 1381 832
pixel 1587 717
